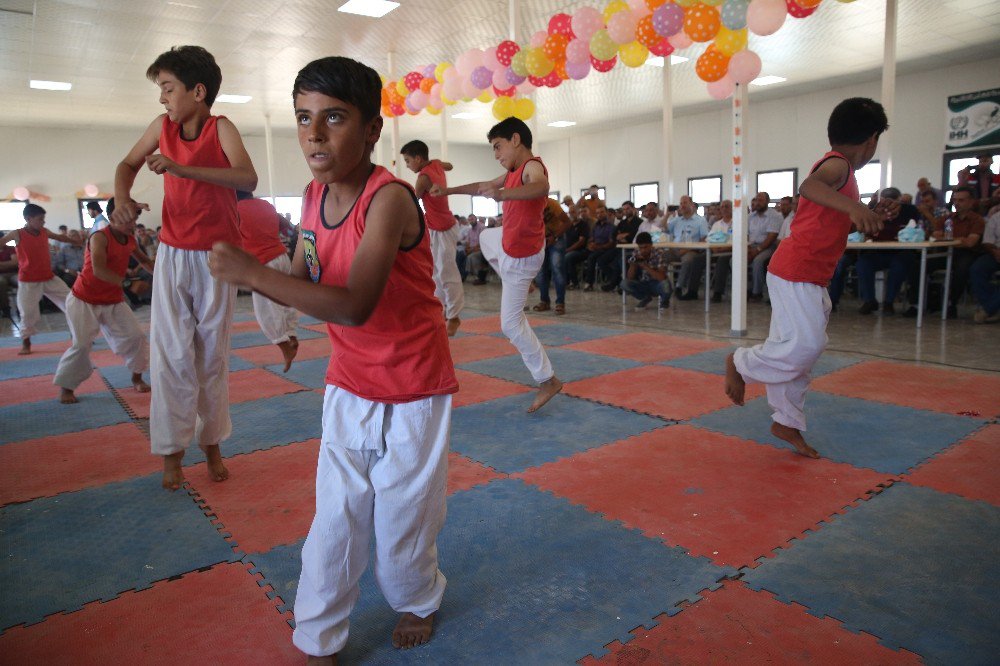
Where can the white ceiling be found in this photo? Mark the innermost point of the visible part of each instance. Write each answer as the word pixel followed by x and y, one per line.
pixel 104 46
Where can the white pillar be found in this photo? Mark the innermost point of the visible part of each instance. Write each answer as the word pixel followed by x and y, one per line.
pixel 395 162
pixel 269 148
pixel 888 93
pixel 738 311
pixel 667 141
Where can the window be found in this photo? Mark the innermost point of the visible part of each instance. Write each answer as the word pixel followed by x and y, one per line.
pixel 288 206
pixel 11 216
pixel 554 195
pixel 602 193
pixel 485 207
pixel 868 178
pixel 705 190
pixel 955 162
pixel 642 193
pixel 778 183
pixel 86 221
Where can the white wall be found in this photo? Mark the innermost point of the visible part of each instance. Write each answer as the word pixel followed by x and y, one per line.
pixel 781 133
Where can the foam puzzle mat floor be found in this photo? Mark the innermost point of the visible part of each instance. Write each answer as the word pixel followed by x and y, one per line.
pixel 638 518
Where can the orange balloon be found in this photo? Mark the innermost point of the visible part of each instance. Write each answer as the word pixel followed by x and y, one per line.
pixel 645 34
pixel 555 47
pixel 807 4
pixel 653 4
pixel 426 84
pixel 712 65
pixel 702 22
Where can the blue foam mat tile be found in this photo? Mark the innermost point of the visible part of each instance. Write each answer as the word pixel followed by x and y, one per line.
pixel 269 422
pixel 29 366
pixel 714 362
pixel 306 320
pixel 471 313
pixel 886 438
pixel 44 418
pixel 310 373
pixel 569 365
pixel 36 339
pixel 917 568
pixel 501 434
pixel 64 551
pixel 244 339
pixel 556 335
pixel 525 583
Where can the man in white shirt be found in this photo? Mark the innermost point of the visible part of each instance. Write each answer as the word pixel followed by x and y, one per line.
pixel 688 227
pixel 723 267
pixel 763 226
pixel 97 215
pixel 651 219
pixel 787 209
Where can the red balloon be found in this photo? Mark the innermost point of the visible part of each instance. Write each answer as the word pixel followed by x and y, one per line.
pixel 507 92
pixel 797 11
pixel 562 24
pixel 552 80
pixel 413 79
pixel 536 81
pixel 662 48
pixel 505 51
pixel 397 110
pixel 603 65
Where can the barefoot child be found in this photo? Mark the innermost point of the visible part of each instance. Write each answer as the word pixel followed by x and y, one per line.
pixel 259 223
pixel 97 304
pixel 364 265
pixel 34 270
pixel 442 229
pixel 203 162
pixel 801 269
pixel 516 251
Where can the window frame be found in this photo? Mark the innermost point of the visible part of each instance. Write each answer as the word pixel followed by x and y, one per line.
pixel 640 204
pixel 700 205
pixel 602 192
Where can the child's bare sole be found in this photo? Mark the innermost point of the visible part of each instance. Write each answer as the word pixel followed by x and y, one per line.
pixel 173 474
pixel 216 469
pixel 289 348
pixel 546 391
pixel 412 630
pixel 330 660
pixel 67 397
pixel 138 384
pixel 25 347
pixel 735 386
pixel 453 325
pixel 794 437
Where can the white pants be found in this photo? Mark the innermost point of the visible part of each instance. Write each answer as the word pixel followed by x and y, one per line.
pixel 447 280
pixel 516 276
pixel 382 468
pixel 277 321
pixel 192 314
pixel 28 296
pixel 799 315
pixel 119 327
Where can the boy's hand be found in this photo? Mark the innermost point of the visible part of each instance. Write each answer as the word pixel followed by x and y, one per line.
pixel 231 264
pixel 868 222
pixel 887 208
pixel 160 164
pixel 127 211
pixel 436 191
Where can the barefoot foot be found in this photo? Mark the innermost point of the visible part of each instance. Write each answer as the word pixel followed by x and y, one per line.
pixel 412 630
pixel 216 470
pixel 453 325
pixel 289 348
pixel 67 397
pixel 173 475
pixel 330 660
pixel 735 386
pixel 793 437
pixel 25 347
pixel 546 391
pixel 138 384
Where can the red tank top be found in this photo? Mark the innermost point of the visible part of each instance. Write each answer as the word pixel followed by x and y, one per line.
pixel 401 353
pixel 523 228
pixel 818 238
pixel 34 263
pixel 196 214
pixel 436 211
pixel 91 289
pixel 259 229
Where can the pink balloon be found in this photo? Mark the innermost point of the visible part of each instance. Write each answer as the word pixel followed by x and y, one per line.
pixel 418 99
pixel 490 61
pixel 500 79
pixel 436 90
pixel 621 27
pixel 744 66
pixel 435 102
pixel 468 61
pixel 765 17
pixel 680 41
pixel 639 8
pixel 578 51
pixel 538 39
pixel 722 88
pixel 526 88
pixel 469 89
pixel 578 70
pixel 452 88
pixel 587 21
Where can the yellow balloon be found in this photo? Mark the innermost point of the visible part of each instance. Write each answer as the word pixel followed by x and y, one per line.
pixel 439 71
pixel 486 96
pixel 613 8
pixel 711 3
pixel 503 108
pixel 537 63
pixel 431 110
pixel 729 42
pixel 633 54
pixel 401 88
pixel 687 3
pixel 524 108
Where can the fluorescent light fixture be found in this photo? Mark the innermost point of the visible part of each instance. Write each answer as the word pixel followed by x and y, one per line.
pixel 181 4
pixel 657 61
pixel 372 8
pixel 562 123
pixel 465 115
pixel 50 85
pixel 233 99
pixel 767 80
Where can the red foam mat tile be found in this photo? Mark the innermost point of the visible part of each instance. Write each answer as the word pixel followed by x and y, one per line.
pixel 673 484
pixel 245 326
pixel 670 393
pixel 33 389
pixel 219 616
pixel 469 348
pixel 474 388
pixel 953 392
pixel 735 625
pixel 51 465
pixel 464 473
pixel 491 324
pixel 270 354
pixel 645 347
pixel 968 469
pixel 258 384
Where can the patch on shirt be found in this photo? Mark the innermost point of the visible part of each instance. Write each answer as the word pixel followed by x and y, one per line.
pixel 310 254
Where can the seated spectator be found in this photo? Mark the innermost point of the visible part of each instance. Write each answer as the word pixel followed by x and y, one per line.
pixel 786 206
pixel 967 228
pixel 625 231
pixel 723 267
pixel 68 261
pixel 711 213
pixel 56 245
pixel 687 227
pixel 898 263
pixel 646 275
pixel 930 211
pixel 652 221
pixel 924 186
pixel 577 239
pixel 601 248
pixel 981 274
pixel 475 264
pixel 763 227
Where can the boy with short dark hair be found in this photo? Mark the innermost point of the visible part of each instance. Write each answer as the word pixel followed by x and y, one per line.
pixel 364 265
pixel 34 270
pixel 97 215
pixel 517 249
pixel 202 161
pixel 443 231
pixel 802 266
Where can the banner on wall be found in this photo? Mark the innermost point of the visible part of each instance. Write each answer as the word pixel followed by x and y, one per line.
pixel 973 120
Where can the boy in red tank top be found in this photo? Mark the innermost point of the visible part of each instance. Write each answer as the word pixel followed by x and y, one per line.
pixel 363 264
pixel 516 250
pixel 203 162
pixel 801 268
pixel 441 228
pixel 97 305
pixel 34 270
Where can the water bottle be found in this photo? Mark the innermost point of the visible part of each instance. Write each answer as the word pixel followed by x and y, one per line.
pixel 686 235
pixel 949 229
